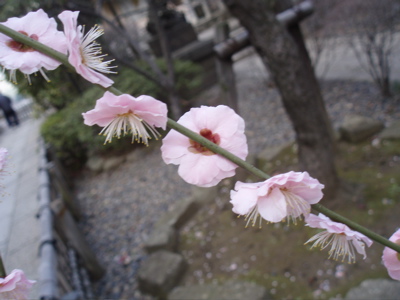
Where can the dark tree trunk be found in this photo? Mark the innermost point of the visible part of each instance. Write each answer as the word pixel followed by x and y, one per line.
pixel 284 54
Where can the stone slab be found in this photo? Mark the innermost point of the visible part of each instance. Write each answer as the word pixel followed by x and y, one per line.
pixel 160 273
pixel 375 289
pixel 231 290
pixel 356 128
pixel 392 132
pixel 181 213
pixel 162 238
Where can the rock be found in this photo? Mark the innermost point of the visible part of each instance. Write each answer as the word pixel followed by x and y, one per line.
pixel 135 155
pixel 162 238
pixel 356 128
pixel 99 164
pixel 204 195
pixel 391 133
pixel 270 154
pixel 95 163
pixel 112 162
pixel 242 174
pixel 182 212
pixel 231 290
pixel 160 273
pixel 375 289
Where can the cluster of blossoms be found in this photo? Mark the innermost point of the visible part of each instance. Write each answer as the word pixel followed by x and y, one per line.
pixel 83 52
pixel 284 197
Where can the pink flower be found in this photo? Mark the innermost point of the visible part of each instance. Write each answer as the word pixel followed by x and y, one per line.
pixel 38 26
pixel 123 114
pixel 197 164
pixel 342 239
pixel 391 258
pixel 84 52
pixel 288 195
pixel 15 286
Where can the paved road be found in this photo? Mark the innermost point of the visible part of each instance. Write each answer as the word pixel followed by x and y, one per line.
pixel 19 228
pixel 338 60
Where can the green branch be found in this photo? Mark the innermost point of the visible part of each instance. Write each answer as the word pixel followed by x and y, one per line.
pixel 203 141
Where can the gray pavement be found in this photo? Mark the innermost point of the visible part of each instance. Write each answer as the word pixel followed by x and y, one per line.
pixel 337 61
pixel 19 227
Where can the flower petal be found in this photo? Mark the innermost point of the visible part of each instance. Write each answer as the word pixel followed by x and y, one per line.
pixel 272 207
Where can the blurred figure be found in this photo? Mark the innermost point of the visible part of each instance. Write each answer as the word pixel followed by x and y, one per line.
pixel 9 112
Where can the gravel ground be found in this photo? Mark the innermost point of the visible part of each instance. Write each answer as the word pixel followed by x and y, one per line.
pixel 120 206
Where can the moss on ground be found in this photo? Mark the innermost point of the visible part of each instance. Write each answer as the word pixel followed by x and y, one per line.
pixel 218 247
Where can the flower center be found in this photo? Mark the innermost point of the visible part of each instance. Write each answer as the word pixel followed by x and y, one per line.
pixel 20 47
pixel 195 147
pixel 296 206
pixel 126 123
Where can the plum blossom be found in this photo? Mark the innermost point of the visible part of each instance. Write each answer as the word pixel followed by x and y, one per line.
pixel 343 241
pixel 288 195
pixel 197 164
pixel 15 286
pixel 391 258
pixel 17 56
pixel 84 53
pixel 124 114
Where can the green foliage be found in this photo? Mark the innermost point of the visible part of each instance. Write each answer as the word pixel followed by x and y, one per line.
pixel 18 8
pixel 187 74
pixel 63 88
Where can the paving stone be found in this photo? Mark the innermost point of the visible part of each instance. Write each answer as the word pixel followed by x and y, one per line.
pixel 242 174
pixel 231 290
pixel 356 128
pixel 181 212
pixel 162 238
pixel 160 273
pixel 270 154
pixel 375 289
pixel 204 195
pixel 391 133
pixel 95 164
pixel 112 162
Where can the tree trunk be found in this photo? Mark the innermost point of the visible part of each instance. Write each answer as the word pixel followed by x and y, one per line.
pixel 226 74
pixel 169 79
pixel 283 52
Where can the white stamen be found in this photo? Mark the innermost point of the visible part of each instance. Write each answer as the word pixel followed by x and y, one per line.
pixel 340 245
pixel 296 206
pixel 129 123
pixel 252 217
pixel 91 52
